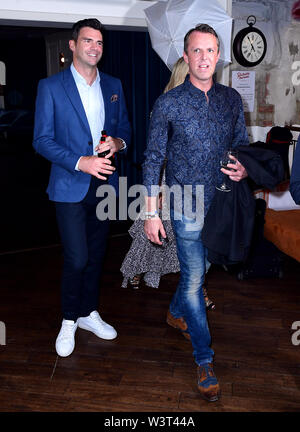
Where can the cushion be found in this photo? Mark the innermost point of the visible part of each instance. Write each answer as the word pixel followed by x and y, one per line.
pixel 280 201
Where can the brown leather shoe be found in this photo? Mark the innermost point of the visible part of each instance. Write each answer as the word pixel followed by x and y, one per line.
pixel 178 323
pixel 207 383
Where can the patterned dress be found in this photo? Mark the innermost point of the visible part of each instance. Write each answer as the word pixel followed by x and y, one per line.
pixel 147 258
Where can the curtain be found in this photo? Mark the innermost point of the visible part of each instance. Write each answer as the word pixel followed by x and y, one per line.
pixel 129 56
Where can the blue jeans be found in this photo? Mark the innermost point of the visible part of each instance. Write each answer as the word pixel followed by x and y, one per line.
pixel 188 300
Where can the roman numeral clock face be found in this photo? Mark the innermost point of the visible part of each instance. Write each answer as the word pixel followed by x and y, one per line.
pixel 249 47
pixel 253 47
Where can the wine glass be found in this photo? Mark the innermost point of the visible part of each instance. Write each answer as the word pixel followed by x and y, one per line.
pixel 225 160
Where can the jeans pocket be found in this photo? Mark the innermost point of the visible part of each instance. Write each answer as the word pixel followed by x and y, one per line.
pixel 187 228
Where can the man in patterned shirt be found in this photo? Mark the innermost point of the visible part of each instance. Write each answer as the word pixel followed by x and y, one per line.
pixel 191 126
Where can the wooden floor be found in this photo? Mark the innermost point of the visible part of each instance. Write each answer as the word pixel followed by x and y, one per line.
pixel 149 367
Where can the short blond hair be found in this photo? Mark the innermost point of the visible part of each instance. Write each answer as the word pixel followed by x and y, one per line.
pixel 179 72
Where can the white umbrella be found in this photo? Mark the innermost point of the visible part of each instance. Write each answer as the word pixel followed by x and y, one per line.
pixel 169 21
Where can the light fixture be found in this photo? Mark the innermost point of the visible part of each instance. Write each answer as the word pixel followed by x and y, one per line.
pixel 61 59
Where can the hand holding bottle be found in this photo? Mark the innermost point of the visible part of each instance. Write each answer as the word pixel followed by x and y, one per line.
pixel 108 146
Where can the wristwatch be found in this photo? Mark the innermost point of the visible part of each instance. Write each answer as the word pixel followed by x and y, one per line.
pixel 151 215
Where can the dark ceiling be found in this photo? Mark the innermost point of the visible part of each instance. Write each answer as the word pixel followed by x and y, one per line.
pixel 18 32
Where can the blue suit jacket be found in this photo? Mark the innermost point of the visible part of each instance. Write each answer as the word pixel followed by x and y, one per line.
pixel 62 133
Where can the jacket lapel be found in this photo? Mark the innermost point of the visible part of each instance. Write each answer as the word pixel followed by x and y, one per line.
pixel 74 97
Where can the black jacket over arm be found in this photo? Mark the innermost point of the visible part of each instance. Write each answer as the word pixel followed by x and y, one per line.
pixel 228 225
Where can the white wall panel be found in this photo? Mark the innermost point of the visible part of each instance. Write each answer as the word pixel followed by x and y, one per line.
pixel 125 13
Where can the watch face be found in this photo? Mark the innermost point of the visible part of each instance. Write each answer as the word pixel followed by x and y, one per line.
pixel 253 47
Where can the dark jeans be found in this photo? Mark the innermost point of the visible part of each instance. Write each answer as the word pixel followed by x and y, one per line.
pixel 84 239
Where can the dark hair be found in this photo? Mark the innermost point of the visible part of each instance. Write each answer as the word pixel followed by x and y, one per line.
pixel 88 22
pixel 201 28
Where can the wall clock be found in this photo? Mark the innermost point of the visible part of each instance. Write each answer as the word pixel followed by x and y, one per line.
pixel 249 45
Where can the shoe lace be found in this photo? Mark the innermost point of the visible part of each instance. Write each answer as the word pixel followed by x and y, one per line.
pixel 96 317
pixel 67 330
pixel 207 375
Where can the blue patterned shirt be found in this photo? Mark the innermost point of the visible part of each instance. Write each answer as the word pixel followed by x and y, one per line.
pixel 192 134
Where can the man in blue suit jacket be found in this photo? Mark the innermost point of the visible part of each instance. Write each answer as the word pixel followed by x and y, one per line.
pixel 72 108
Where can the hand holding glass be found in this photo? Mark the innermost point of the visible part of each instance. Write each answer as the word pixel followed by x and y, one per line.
pixel 224 162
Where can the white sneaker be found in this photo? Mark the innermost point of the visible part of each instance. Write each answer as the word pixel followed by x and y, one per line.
pixel 65 341
pixel 96 325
